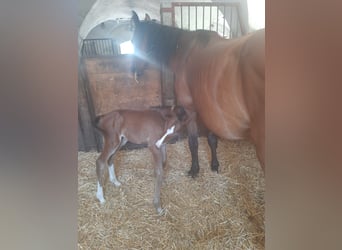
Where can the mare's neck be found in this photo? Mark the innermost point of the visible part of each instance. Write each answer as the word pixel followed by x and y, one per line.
pixel 167 43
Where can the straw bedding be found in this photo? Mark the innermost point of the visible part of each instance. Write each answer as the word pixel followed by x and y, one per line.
pixel 213 211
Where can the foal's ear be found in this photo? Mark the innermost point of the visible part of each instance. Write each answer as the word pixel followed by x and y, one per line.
pixel 135 17
pixel 147 17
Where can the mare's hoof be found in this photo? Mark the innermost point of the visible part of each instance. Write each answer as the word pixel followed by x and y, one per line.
pixel 215 168
pixel 192 173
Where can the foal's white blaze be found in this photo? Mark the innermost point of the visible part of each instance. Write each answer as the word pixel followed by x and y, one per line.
pixel 99 193
pixel 112 176
pixel 168 132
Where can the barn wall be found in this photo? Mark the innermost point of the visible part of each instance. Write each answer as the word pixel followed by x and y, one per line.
pixel 87 137
pixel 112 85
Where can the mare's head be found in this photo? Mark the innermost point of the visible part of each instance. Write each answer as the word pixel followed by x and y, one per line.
pixel 153 43
pixel 141 43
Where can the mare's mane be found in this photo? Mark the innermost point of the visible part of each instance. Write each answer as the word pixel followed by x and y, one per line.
pixel 162 41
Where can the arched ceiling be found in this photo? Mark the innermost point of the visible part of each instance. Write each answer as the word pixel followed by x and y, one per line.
pixel 104 10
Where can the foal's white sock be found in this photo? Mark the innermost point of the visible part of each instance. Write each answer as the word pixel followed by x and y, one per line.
pixel 112 176
pixel 99 193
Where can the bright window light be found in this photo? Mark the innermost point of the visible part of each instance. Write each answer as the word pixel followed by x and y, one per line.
pixel 127 48
pixel 256 14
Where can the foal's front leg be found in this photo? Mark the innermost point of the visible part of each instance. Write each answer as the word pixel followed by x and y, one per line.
pixel 158 171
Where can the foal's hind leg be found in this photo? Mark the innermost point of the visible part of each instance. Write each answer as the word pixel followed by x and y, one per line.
pixel 110 147
pixel 212 141
pixel 112 176
pixel 158 171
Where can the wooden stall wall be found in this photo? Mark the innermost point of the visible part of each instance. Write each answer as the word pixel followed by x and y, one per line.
pixel 108 84
pixel 112 85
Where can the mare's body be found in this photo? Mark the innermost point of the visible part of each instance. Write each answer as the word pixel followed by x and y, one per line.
pixel 221 81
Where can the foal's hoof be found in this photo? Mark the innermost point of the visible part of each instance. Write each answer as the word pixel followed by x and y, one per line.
pixel 100 198
pixel 116 183
pixel 193 173
pixel 102 201
pixel 160 211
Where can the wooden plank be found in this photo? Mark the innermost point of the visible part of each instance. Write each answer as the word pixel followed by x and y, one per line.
pixel 86 129
pixel 109 64
pixel 112 85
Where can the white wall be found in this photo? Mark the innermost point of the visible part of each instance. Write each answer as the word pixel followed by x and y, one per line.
pixel 103 10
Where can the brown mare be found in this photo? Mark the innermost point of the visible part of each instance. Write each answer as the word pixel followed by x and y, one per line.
pixel 143 126
pixel 222 81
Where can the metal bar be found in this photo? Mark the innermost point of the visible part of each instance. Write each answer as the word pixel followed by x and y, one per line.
pixel 217 19
pixel 200 4
pixel 189 17
pixel 109 47
pixel 112 43
pixel 95 48
pixel 181 17
pixel 231 22
pixel 210 17
pixel 83 48
pixel 161 14
pixel 224 20
pixel 173 15
pixel 196 17
pixel 203 17
pixel 101 47
pixel 88 48
pixel 165 9
pixel 243 32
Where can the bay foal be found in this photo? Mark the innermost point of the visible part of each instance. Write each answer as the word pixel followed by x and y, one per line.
pixel 143 126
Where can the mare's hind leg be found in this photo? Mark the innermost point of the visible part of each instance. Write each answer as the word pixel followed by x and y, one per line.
pixel 158 171
pixel 110 147
pixel 193 144
pixel 212 141
pixel 112 176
